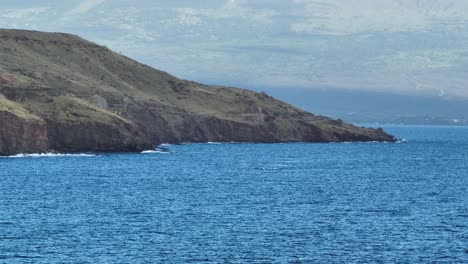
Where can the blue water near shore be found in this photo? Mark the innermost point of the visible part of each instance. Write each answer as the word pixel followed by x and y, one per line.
pixel 243 203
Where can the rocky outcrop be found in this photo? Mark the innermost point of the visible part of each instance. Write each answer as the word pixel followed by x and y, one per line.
pixel 97 137
pixel 20 132
pixel 66 94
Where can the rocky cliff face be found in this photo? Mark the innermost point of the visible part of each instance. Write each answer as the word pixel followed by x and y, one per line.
pixel 62 93
pixel 20 131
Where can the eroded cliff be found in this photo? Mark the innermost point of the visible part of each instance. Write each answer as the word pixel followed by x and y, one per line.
pixel 20 130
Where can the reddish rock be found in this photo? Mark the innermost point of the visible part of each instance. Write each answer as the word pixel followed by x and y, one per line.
pixel 21 135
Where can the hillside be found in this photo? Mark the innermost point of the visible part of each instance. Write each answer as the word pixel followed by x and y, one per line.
pixel 59 92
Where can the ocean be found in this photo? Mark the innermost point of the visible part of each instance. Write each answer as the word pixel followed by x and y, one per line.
pixel 401 202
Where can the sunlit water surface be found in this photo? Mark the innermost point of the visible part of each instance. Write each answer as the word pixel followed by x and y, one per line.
pixel 260 203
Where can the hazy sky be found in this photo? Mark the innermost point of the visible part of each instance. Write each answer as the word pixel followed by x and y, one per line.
pixel 410 46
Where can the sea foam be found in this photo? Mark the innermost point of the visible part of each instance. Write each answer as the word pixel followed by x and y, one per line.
pixel 156 151
pixel 51 155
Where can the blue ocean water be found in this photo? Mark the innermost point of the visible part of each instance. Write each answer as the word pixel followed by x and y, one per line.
pixel 243 203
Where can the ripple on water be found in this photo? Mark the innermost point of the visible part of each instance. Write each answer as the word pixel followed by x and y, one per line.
pixel 240 203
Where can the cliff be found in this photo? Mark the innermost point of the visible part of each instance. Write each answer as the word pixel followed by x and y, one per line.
pixel 20 131
pixel 62 93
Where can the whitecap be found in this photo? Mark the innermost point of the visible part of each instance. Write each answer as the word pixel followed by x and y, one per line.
pixel 51 155
pixel 155 151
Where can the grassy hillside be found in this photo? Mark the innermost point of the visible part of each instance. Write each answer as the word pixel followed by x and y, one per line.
pixel 16 109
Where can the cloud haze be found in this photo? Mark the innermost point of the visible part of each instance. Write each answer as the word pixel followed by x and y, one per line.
pixel 405 46
pixel 84 7
pixel 342 17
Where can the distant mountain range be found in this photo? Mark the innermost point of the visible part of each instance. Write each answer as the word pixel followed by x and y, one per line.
pixel 378 107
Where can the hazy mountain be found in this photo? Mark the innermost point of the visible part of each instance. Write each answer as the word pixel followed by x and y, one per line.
pixel 413 46
pixel 378 107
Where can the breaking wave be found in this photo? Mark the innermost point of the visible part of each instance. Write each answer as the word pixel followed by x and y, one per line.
pixel 51 155
pixel 156 151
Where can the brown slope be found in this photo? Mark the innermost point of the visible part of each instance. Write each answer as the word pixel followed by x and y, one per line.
pixel 93 99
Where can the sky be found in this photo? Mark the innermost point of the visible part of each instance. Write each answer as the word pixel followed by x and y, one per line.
pixel 417 47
